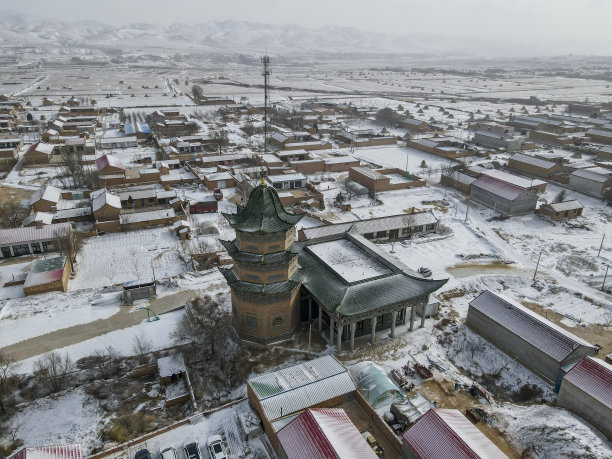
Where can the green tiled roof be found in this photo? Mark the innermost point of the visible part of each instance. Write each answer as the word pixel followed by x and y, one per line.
pixel 263 213
pixel 352 298
pixel 271 258
pixel 250 287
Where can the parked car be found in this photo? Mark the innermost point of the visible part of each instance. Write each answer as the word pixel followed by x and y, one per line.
pixel 169 453
pixel 215 447
pixel 143 454
pixel 192 451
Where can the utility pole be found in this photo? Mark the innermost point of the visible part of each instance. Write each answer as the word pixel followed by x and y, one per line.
pixel 601 245
pixel 603 284
pixel 537 265
pixel 266 74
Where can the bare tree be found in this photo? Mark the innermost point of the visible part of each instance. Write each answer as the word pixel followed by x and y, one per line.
pixel 135 264
pixel 560 196
pixel 205 323
pixel 52 369
pixel 69 245
pixel 8 380
pixel 197 92
pixel 141 346
pixel 105 362
pixel 12 214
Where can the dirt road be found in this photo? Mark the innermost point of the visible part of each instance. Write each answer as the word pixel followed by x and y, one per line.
pixel 126 317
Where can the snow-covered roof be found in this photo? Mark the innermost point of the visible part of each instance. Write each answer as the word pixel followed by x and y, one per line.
pixel 498 187
pixel 301 386
pixel 537 162
pixel 513 179
pixel 285 177
pixel 34 233
pixel 566 205
pixel 44 218
pixel 462 178
pixel 45 271
pixel 105 161
pixel 41 147
pixel 171 365
pixel 541 333
pixel 340 159
pixel 100 198
pixel 48 193
pixel 218 176
pixel 594 377
pixel 323 433
pixel 373 225
pixel 593 175
pixel 442 433
pixel 291 153
pixel 151 215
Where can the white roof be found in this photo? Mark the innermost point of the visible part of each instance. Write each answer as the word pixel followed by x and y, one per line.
pixel 32 233
pixel 285 177
pixel 49 193
pixel 137 217
pixel 100 198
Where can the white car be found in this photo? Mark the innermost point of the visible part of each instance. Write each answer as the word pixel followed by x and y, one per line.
pixel 215 447
pixel 169 453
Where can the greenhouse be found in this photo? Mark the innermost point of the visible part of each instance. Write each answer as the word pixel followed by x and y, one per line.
pixel 374 385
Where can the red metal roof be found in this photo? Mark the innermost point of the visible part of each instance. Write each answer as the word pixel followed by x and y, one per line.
pixel 50 452
pixel 446 434
pixel 504 189
pixel 325 433
pixel 108 161
pixel 594 377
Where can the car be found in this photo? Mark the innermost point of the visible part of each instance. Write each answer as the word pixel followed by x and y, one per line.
pixel 143 454
pixel 192 450
pixel 169 453
pixel 215 447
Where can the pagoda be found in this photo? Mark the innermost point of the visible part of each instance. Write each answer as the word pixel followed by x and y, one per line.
pixel 264 277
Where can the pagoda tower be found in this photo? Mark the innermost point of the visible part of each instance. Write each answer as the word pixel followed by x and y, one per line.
pixel 264 277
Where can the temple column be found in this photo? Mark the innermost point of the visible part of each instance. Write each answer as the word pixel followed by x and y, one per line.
pixel 393 318
pixel 309 308
pixel 412 317
pixel 353 328
pixel 339 339
pixel 373 336
pixel 423 314
pixel 331 331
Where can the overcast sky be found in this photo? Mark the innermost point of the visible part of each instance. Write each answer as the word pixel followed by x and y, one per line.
pixel 563 25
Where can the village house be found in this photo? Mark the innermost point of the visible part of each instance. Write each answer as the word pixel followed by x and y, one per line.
pixel 561 210
pixel 287 181
pixel 114 143
pixel 377 180
pixel 72 451
pixel 39 153
pixel 532 166
pixel 600 136
pixel 47 275
pixel 534 185
pixel 592 181
pixel 45 199
pixel 366 138
pixel 497 140
pixel 446 147
pixel 586 390
pixel 28 240
pixel 446 433
pixel 503 197
pixel 458 180
pixel 219 180
pixel 413 125
pixel 550 138
pixel 540 345
pixel 379 229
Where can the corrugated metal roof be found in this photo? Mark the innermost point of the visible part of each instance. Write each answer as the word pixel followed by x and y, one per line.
pixel 323 433
pixel 375 386
pixel 590 174
pixel 594 377
pixel 447 434
pixel 532 161
pixel 50 452
pixel 566 205
pixel 498 187
pixel 512 179
pixel 301 386
pixel 546 336
pixel 34 233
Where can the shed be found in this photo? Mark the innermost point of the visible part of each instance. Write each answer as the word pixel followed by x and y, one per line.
pixel 591 181
pixel 375 386
pixel 561 210
pixel 171 368
pixel 47 275
pixel 322 433
pixel 535 342
pixel 587 391
pixel 444 434
pixel 503 197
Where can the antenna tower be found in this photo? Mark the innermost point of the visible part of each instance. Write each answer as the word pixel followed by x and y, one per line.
pixel 266 73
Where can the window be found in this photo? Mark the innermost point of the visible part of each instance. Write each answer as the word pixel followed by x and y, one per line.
pixel 151 199
pixel 417 229
pixel 399 318
pixel 379 320
pixel 277 322
pixel 369 235
pixel 359 327
pixel 276 277
pixel 274 247
pixel 35 247
pixel 23 249
pixel 381 234
pixel 429 227
pixel 405 231
pixel 252 247
pixel 278 186
pixel 251 321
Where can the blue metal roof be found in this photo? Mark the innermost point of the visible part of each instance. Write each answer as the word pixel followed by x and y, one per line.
pixel 128 129
pixel 144 128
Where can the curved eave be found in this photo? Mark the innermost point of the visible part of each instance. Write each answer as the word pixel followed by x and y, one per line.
pixel 260 289
pixel 257 258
